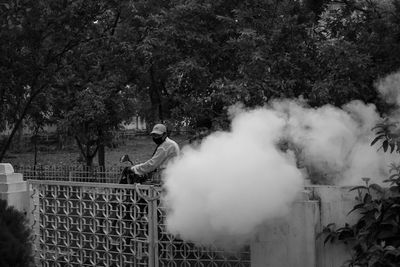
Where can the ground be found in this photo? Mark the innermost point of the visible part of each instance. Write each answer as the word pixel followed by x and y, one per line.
pixel 139 149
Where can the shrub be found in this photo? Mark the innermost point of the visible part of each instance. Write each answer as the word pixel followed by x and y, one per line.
pixel 15 238
pixel 375 237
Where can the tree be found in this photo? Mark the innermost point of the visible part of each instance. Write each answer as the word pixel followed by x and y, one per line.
pixel 35 38
pixel 216 53
pixel 187 61
pixel 149 56
pixel 194 58
pixel 37 119
pixel 96 111
pixel 357 44
pixel 235 51
pixel 91 96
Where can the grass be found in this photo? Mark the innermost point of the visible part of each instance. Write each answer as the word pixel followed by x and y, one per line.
pixel 139 149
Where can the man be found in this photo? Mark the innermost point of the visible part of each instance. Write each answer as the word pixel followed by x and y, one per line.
pixel 166 150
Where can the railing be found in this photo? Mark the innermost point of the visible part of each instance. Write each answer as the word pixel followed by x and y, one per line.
pixel 87 224
pixel 74 173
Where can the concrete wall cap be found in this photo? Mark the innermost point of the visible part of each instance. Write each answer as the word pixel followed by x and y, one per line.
pixel 6 168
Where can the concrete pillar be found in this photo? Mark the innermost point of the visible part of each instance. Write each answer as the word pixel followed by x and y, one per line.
pixel 13 188
pixel 292 240
pixel 336 202
pixel 288 241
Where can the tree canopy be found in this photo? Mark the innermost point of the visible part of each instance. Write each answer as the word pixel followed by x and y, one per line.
pixel 88 65
pixel 199 57
pixel 36 40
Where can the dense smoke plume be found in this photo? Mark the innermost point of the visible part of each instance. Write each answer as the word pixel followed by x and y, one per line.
pixel 389 88
pixel 220 191
pixel 332 144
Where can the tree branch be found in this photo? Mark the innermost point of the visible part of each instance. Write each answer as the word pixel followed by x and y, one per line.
pixel 19 120
pixel 115 22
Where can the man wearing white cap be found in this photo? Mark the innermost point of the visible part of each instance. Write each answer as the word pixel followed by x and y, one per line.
pixel 166 150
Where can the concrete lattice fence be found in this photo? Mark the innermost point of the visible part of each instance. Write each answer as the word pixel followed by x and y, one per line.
pixel 88 224
pixel 100 224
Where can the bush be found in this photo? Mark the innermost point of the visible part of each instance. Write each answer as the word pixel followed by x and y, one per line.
pixel 375 237
pixel 15 238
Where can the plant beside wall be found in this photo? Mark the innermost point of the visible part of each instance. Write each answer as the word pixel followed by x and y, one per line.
pixel 375 237
pixel 15 238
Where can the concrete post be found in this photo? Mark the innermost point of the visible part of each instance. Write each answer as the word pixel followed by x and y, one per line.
pixel 13 188
pixel 292 240
pixel 288 241
pixel 336 202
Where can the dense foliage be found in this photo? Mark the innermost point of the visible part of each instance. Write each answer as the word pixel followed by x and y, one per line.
pixel 15 239
pixel 37 43
pixel 375 237
pixel 88 65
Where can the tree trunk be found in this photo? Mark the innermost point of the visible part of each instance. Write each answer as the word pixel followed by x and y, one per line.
pixel 19 138
pixel 89 161
pixel 88 156
pixel 3 122
pixel 155 99
pixel 101 155
pixel 60 140
pixel 35 137
pixel 35 156
pixel 85 151
pixel 101 148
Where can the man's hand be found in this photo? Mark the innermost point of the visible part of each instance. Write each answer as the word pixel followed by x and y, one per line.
pixel 127 171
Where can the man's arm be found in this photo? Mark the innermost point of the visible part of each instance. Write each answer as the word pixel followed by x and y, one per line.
pixel 152 163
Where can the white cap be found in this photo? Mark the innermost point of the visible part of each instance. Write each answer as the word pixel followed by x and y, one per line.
pixel 159 129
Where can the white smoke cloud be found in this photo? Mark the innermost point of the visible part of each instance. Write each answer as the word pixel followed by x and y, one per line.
pixel 389 88
pixel 334 143
pixel 219 192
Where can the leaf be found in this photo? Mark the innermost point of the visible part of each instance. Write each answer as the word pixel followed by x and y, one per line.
pixel 356 207
pixel 327 239
pixel 395 206
pixel 385 145
pixel 390 223
pixel 331 224
pixel 390 248
pixel 377 139
pixel 358 187
pixel 385 234
pixel 378 126
pixel 394 176
pixel 392 147
pixel 377 188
